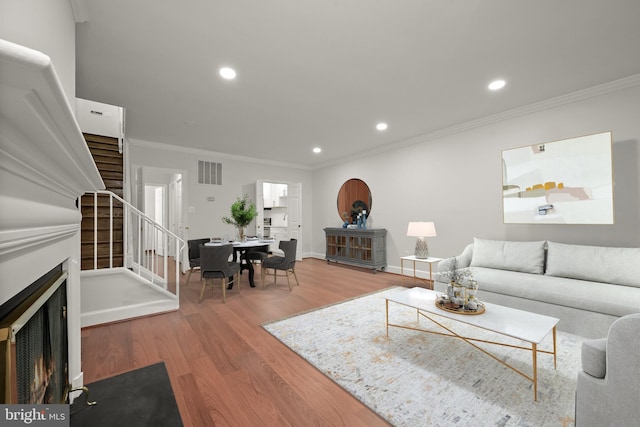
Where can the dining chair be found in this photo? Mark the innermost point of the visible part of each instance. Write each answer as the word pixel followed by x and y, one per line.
pixel 286 263
pixel 215 264
pixel 194 255
pixel 259 253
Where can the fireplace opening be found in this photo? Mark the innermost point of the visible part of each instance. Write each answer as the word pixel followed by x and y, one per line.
pixel 33 343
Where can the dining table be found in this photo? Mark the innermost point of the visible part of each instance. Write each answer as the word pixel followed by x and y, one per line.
pixel 240 248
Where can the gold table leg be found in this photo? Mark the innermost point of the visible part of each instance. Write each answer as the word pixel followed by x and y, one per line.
pixel 534 348
pixel 534 351
pixel 555 366
pixel 414 272
pixel 387 318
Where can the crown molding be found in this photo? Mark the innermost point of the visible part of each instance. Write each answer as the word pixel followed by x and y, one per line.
pixel 80 10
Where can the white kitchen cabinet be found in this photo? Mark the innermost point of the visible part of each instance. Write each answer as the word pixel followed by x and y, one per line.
pixel 275 195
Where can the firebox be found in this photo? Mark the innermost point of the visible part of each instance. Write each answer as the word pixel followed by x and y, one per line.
pixel 33 343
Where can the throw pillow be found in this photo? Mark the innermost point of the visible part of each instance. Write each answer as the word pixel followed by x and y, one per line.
pixel 620 266
pixel 526 257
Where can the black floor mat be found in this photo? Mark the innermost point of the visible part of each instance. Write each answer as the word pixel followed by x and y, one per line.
pixel 142 397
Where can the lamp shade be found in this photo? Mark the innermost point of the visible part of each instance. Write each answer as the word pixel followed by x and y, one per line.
pixel 421 229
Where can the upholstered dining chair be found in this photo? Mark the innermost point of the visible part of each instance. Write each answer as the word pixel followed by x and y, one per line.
pixel 194 255
pixel 286 263
pixel 215 264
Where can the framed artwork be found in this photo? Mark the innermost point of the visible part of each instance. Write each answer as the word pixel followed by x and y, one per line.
pixel 560 182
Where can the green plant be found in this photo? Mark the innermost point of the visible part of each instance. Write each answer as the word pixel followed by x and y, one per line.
pixel 243 211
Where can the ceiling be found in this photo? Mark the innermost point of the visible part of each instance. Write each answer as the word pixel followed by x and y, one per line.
pixel 323 73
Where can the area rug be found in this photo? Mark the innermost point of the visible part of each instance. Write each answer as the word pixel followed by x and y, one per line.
pixel 413 378
pixel 142 397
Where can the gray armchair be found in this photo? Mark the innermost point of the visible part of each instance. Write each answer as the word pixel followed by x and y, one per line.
pixel 608 388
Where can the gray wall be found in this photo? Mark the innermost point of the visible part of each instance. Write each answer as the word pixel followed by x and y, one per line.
pixel 456 180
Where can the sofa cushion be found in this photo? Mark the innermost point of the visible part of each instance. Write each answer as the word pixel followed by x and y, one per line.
pixel 619 266
pixel 594 357
pixel 526 257
pixel 614 300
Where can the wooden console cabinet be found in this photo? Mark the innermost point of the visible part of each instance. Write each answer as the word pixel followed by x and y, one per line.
pixel 360 247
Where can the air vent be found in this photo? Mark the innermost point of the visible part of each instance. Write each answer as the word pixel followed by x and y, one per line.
pixel 209 173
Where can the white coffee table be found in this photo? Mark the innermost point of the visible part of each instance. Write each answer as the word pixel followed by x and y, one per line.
pixel 522 325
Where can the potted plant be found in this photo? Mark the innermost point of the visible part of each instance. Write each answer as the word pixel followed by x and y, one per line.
pixel 243 211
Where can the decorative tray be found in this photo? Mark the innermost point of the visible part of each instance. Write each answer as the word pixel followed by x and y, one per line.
pixel 444 303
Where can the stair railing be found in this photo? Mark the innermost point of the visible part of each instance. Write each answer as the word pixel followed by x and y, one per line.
pixel 147 245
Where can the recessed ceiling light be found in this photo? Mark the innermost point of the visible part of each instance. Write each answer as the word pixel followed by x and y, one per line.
pixel 497 84
pixel 381 126
pixel 317 150
pixel 227 73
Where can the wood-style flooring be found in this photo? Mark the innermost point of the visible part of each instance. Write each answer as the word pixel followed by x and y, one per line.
pixel 225 369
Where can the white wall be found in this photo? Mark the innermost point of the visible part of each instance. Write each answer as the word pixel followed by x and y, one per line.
pixel 47 26
pixel 456 181
pixel 237 176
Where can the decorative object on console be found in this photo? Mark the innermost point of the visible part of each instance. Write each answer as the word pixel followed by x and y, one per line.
pixel 345 220
pixel 421 230
pixel 243 211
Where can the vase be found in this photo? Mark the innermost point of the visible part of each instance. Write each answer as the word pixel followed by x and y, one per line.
pixel 471 302
pixel 459 296
pixel 472 289
pixel 450 290
pixel 241 234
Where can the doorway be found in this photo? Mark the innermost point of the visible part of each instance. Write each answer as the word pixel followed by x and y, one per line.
pixel 154 208
pixel 165 202
pixel 279 206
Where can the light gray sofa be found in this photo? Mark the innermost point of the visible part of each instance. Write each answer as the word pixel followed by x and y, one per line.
pixel 608 388
pixel 586 287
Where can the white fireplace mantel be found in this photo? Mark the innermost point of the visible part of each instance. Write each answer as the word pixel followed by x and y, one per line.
pixel 45 166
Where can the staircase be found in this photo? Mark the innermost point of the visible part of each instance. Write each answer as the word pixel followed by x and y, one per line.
pixel 143 285
pixel 102 218
pixel 128 260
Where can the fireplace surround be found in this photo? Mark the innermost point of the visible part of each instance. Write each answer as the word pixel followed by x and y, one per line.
pixel 33 328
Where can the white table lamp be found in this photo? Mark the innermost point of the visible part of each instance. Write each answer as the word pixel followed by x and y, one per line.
pixel 421 230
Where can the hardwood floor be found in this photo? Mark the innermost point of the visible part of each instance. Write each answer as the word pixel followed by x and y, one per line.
pixel 225 369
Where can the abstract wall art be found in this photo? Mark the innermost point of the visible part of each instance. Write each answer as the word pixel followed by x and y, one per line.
pixel 560 182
